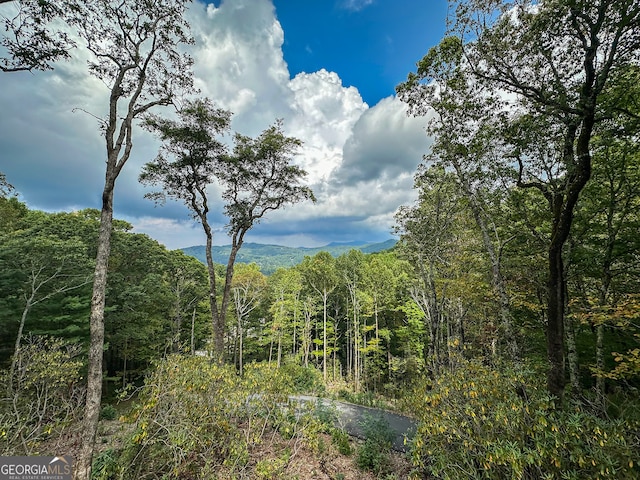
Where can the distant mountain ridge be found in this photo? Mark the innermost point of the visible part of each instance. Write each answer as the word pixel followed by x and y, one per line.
pixel 272 257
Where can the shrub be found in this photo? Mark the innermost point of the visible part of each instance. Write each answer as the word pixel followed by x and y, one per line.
pixel 341 440
pixel 479 422
pixel 108 412
pixel 373 454
pixel 303 379
pixel 198 419
pixel 105 465
pixel 44 394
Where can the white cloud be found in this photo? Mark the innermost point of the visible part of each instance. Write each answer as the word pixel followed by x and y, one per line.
pixel 384 142
pixel 360 160
pixel 355 5
pixel 323 114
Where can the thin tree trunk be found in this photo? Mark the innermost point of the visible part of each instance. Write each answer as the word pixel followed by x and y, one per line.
pixel 324 336
pixel 498 282
pixel 96 327
pixel 14 360
pixel 600 392
pixel 241 346
pixel 218 333
pixel 279 348
pixel 193 327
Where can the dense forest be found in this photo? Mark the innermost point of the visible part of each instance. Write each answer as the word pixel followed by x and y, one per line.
pixel 506 320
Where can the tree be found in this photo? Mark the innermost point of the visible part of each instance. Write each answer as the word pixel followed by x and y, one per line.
pixel 462 142
pixel 350 267
pixel 259 177
pixel 603 262
pixel 6 189
pixel 285 309
pixel 39 268
pixel 382 276
pixel 248 287
pixel 549 64
pixel 427 232
pixel 32 39
pixel 187 279
pixel 135 48
pixel 186 166
pixel 320 274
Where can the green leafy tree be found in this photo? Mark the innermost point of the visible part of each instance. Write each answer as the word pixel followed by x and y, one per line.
pixel 185 167
pixel 544 68
pixel 427 240
pixel 248 287
pixel 382 278
pixel 461 128
pixel 41 268
pixel 285 310
pixel 350 267
pixel 259 177
pixel 187 280
pixel 135 52
pixel 320 275
pixel 139 306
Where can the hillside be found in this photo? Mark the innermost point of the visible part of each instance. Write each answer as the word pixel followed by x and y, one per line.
pixel 272 257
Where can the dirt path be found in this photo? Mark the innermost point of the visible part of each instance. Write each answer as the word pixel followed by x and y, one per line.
pixel 351 417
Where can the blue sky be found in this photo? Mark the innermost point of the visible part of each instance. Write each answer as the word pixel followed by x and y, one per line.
pixel 370 44
pixel 328 68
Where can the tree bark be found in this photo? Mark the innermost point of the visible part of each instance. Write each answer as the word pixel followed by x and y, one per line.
pixel 96 328
pixel 218 335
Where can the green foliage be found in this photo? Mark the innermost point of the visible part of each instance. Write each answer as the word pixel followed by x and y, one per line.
pixel 42 396
pixel 373 454
pixel 197 418
pixel 108 412
pixel 105 465
pixel 341 440
pixel 303 379
pixel 479 422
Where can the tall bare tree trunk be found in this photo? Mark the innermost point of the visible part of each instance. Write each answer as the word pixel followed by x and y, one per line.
pixel 96 328
pixel 14 360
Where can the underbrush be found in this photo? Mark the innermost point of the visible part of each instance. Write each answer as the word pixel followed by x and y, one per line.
pixel 484 423
pixel 198 419
pixel 40 397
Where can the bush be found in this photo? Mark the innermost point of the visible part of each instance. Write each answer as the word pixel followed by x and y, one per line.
pixel 105 465
pixel 341 440
pixel 108 412
pixel 374 453
pixel 479 422
pixel 198 419
pixel 44 395
pixel 303 379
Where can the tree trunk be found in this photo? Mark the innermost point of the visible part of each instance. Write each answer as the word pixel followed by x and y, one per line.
pixel 555 321
pixel 14 360
pixel 218 334
pixel 240 347
pixel 96 324
pixel 600 392
pixel 498 281
pixel 324 336
pixel 193 329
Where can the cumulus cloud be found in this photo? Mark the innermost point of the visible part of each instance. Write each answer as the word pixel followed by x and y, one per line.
pixel 239 61
pixel 384 143
pixel 323 114
pixel 360 159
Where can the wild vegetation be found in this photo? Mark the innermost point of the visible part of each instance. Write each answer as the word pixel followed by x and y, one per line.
pixel 506 319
